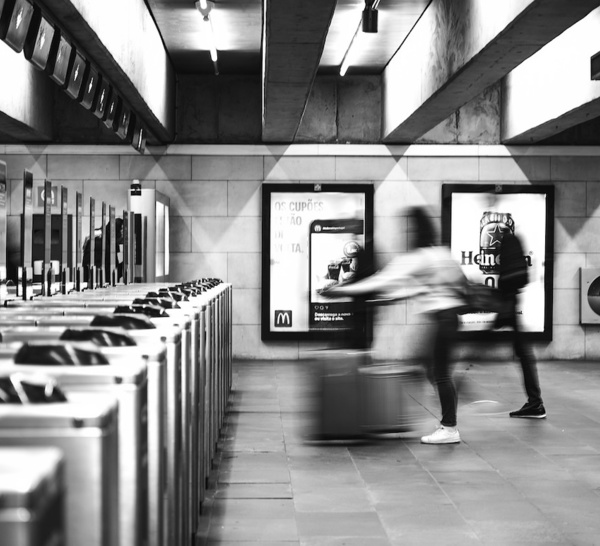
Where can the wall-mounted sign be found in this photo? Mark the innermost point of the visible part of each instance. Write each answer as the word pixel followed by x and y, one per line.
pixel 313 236
pixel 589 296
pixel 473 220
pixel 41 195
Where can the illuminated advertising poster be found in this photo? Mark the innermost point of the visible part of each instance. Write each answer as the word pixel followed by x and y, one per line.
pixel 312 239
pixel 335 246
pixel 474 219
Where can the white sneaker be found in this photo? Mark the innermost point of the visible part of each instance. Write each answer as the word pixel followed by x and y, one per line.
pixel 442 435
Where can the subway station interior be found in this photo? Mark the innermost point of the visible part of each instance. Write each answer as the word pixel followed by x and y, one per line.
pixel 190 191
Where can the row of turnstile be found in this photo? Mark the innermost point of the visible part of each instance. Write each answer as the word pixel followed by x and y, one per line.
pixel 111 403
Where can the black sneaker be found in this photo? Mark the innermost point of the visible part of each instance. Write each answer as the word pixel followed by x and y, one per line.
pixel 530 412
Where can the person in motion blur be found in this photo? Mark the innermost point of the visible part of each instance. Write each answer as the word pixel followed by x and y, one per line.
pixel 429 272
pixel 512 278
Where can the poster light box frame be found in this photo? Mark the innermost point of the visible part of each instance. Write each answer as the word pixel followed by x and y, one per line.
pixel 309 230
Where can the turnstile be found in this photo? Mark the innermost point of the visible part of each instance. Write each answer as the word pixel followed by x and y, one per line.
pixel 32 496
pixel 168 333
pixel 199 373
pixel 127 382
pixel 85 429
pixel 154 354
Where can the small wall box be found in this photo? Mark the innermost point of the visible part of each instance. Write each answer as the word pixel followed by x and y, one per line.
pixel 589 296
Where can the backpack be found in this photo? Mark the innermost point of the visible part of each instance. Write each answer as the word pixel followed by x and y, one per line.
pixel 514 269
pixel 480 298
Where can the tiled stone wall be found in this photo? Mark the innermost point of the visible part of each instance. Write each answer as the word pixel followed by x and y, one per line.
pixel 215 194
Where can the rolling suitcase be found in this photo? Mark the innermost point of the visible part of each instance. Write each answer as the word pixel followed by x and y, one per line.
pixel 390 395
pixel 337 401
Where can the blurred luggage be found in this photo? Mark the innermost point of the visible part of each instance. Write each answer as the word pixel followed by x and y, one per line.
pixel 354 397
pixel 390 396
pixel 337 392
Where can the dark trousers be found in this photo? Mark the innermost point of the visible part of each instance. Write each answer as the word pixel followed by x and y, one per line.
pixel 445 334
pixel 525 356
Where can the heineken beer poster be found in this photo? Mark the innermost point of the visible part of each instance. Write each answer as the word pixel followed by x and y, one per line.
pixel 313 236
pixel 474 220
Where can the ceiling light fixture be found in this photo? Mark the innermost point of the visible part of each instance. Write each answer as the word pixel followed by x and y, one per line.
pixel 205 7
pixel 368 24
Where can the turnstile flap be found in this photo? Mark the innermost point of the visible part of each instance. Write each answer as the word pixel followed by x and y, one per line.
pixel 177 296
pixel 152 311
pixel 127 321
pixel 165 303
pixel 48 352
pixel 22 388
pixel 103 338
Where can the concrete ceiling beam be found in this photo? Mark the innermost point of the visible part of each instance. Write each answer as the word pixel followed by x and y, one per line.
pixel 294 37
pixel 458 49
pixel 121 39
pixel 26 100
pixel 553 90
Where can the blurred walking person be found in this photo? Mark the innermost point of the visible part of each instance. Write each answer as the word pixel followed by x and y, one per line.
pixel 429 272
pixel 513 277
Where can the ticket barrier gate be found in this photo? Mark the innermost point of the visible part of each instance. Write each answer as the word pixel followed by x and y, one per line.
pixel 85 429
pixel 176 303
pixel 118 351
pixel 211 383
pixel 210 379
pixel 214 300
pixel 189 319
pixel 218 359
pixel 32 496
pixel 184 488
pixel 81 368
pixel 171 334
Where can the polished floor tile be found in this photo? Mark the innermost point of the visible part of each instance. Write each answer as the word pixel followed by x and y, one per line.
pixel 510 482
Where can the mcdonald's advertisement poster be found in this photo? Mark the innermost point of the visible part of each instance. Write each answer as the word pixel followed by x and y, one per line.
pixel 316 240
pixel 478 222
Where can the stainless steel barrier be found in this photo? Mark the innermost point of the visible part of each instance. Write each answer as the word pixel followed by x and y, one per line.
pixel 155 355
pixel 188 313
pixel 128 383
pixel 194 322
pixel 32 497
pixel 179 500
pixel 170 336
pixel 85 429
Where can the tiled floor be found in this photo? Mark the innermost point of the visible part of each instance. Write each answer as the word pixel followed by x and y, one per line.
pixel 510 482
